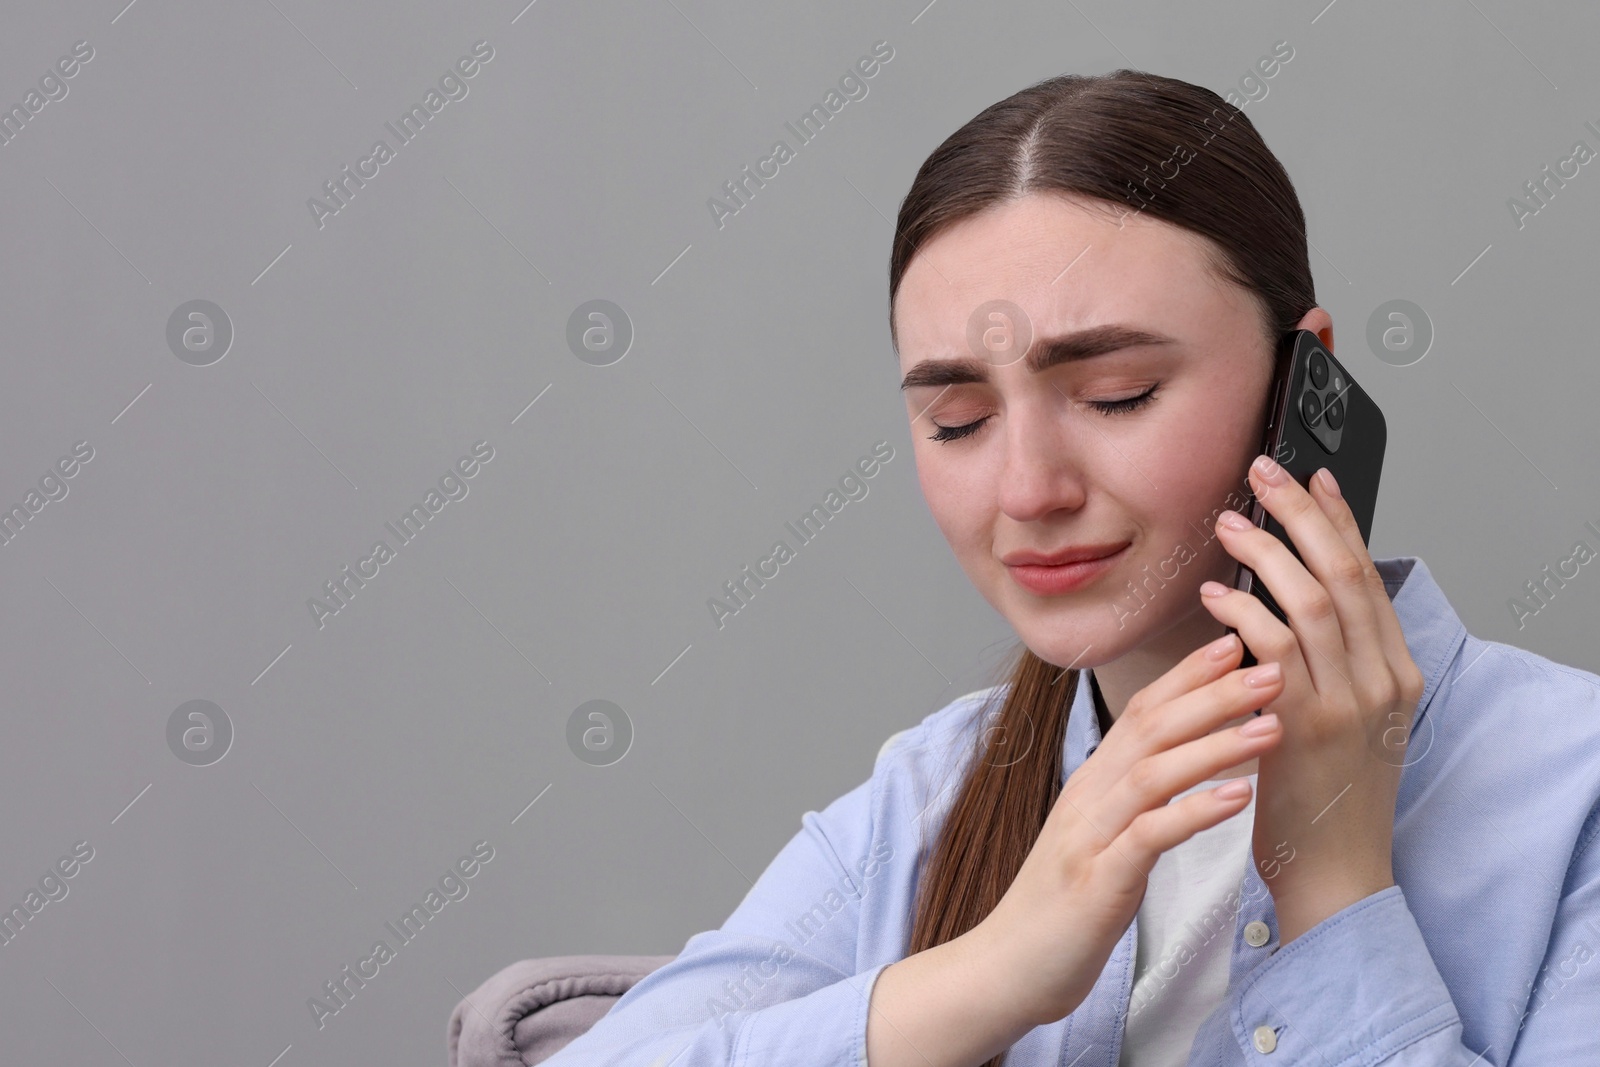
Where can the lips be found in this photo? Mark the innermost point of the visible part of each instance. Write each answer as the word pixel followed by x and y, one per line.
pixel 1072 554
pixel 1053 579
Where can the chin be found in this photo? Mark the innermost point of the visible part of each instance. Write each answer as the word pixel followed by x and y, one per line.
pixel 1086 635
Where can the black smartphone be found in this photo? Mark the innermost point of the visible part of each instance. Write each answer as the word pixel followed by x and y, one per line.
pixel 1318 417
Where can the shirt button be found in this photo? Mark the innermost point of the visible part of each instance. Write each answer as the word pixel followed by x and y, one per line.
pixel 1256 934
pixel 1266 1039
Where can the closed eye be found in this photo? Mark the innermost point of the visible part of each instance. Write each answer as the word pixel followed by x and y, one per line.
pixel 1105 407
pixel 1130 403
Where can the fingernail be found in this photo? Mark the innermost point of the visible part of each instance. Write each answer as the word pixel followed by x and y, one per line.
pixel 1257 727
pixel 1269 470
pixel 1210 588
pixel 1265 674
pixel 1233 520
pixel 1325 476
pixel 1222 646
pixel 1233 790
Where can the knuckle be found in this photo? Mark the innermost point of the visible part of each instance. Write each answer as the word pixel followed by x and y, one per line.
pixel 1142 727
pixel 1296 503
pixel 1385 691
pixel 1143 777
pixel 1139 831
pixel 1412 684
pixel 1281 645
pixel 1350 571
pixel 1134 709
pixel 1317 605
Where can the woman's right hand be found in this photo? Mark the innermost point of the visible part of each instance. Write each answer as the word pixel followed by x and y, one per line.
pixel 1081 884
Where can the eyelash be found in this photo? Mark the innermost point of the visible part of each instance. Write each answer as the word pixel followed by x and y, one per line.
pixel 1105 407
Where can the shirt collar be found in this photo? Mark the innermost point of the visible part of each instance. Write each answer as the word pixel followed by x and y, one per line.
pixel 1433 633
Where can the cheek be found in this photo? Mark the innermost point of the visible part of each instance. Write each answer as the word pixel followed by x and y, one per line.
pixel 1203 454
pixel 1198 459
pixel 955 500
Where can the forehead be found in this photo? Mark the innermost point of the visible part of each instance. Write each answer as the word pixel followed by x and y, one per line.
pixel 1068 265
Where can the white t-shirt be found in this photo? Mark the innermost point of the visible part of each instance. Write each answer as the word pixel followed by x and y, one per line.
pixel 1185 940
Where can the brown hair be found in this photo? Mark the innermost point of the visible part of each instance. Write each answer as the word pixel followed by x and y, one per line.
pixel 1109 138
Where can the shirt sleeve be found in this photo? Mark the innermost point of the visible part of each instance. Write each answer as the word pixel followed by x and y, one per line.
pixel 776 985
pixel 1561 1023
pixel 1361 988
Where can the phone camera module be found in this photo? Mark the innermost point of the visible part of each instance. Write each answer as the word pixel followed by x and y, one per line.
pixel 1310 408
pixel 1322 403
pixel 1319 370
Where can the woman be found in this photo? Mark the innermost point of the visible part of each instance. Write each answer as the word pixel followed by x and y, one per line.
pixel 1416 881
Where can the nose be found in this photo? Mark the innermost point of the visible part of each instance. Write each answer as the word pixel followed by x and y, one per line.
pixel 1042 471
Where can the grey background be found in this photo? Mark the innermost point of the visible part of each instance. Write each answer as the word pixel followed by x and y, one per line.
pixel 370 354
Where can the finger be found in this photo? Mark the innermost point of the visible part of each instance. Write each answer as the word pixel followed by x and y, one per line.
pixel 1387 635
pixel 1154 779
pixel 1267 636
pixel 1162 828
pixel 1308 606
pixel 1205 664
pixel 1170 710
pixel 1338 598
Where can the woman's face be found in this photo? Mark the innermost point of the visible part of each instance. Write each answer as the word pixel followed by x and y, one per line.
pixel 1043 470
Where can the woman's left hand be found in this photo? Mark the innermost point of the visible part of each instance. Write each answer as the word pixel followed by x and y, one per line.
pixel 1328 790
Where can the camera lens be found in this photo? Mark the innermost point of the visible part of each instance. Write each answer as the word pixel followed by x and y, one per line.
pixel 1319 370
pixel 1335 414
pixel 1310 407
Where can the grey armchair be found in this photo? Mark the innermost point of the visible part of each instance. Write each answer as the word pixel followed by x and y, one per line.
pixel 532 1009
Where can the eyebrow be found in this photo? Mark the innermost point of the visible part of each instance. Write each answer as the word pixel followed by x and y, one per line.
pixel 1045 353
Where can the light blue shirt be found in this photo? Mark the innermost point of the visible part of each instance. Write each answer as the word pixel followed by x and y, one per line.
pixel 1485 951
